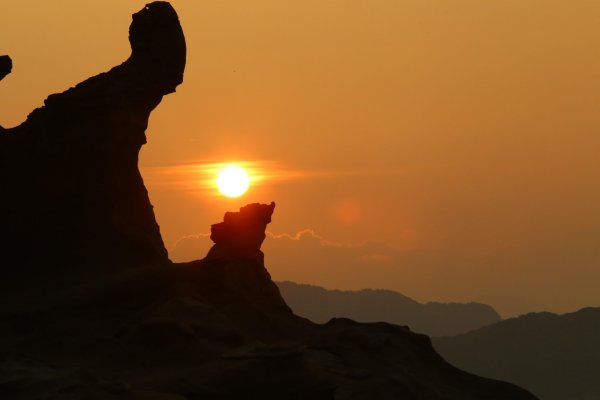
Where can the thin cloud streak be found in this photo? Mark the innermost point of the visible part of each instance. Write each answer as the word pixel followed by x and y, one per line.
pixel 200 176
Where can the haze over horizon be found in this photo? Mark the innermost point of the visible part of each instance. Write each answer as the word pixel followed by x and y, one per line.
pixel 461 138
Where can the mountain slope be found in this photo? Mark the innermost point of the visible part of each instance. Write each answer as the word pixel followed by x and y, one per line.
pixel 557 357
pixel 435 319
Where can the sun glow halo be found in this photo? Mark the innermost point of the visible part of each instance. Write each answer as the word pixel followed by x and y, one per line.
pixel 233 181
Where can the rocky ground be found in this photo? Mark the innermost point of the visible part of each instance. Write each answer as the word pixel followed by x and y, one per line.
pixel 216 328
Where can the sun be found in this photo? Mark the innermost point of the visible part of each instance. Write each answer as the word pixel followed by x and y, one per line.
pixel 233 181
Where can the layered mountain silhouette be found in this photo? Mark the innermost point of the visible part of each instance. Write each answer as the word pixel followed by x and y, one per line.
pixel 557 357
pixel 91 308
pixel 434 319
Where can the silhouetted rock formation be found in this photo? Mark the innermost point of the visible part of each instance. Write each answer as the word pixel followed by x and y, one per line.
pixel 554 356
pixel 70 183
pixel 216 328
pixel 434 319
pixel 241 233
pixel 5 66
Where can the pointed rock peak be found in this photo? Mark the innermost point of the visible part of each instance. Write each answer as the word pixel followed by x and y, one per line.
pixel 157 43
pixel 242 233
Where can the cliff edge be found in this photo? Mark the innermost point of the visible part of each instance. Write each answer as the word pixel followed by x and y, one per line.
pixel 71 188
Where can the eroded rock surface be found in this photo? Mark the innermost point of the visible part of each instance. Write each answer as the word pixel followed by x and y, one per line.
pixel 71 189
pixel 242 233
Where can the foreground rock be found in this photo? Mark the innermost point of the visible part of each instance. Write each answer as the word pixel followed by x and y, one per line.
pixel 216 328
pixel 71 189
pixel 241 233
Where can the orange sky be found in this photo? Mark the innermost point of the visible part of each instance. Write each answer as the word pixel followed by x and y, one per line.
pixel 463 128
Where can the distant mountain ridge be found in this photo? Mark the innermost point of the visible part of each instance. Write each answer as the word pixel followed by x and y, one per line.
pixel 556 357
pixel 435 319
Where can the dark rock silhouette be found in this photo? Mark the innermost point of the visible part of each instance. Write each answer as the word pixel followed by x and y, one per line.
pixel 71 188
pixel 434 319
pixel 554 356
pixel 216 328
pixel 242 233
pixel 5 66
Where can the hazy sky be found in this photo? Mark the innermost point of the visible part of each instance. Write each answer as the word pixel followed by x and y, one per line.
pixel 464 133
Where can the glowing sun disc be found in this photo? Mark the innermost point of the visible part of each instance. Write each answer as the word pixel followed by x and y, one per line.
pixel 233 181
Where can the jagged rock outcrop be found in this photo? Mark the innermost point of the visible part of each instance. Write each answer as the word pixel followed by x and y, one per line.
pixel 242 233
pixel 216 328
pixel 71 188
pixel 5 66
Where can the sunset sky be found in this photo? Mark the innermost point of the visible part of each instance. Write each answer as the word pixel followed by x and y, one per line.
pixel 449 150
